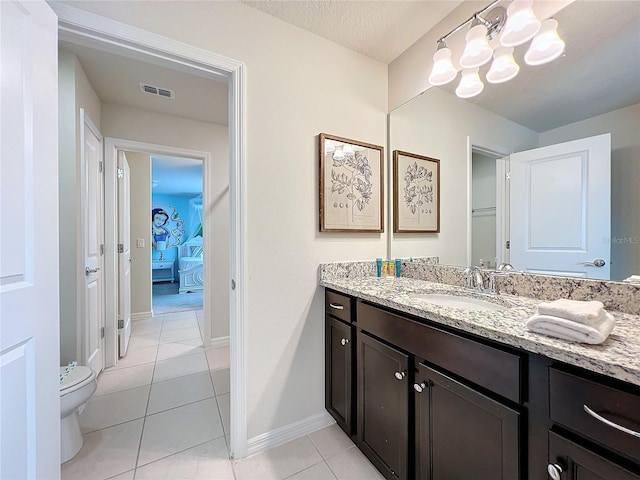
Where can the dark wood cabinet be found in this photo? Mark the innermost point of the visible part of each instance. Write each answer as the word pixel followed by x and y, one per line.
pixel 383 406
pixel 461 433
pixel 572 461
pixel 339 372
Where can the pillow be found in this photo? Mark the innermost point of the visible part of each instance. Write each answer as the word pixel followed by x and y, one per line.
pixel 196 251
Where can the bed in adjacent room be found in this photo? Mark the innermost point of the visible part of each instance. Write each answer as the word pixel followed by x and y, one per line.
pixel 190 265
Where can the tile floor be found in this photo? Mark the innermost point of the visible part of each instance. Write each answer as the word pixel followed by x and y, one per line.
pixel 163 413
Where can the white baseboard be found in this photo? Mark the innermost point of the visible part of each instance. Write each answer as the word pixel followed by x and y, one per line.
pixel 141 316
pixel 282 435
pixel 219 342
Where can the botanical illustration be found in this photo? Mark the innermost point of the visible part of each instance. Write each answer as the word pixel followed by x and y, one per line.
pixel 350 185
pixel 351 178
pixel 416 189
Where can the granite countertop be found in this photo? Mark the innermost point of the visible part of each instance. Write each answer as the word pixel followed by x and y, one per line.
pixel 617 357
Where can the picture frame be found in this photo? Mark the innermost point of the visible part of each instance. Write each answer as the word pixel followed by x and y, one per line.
pixel 351 185
pixel 416 193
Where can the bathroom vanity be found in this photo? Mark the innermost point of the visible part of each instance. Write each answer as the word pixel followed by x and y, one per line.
pixel 432 392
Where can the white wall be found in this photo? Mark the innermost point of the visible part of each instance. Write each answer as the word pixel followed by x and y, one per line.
pixel 437 124
pixel 74 92
pixel 292 96
pixel 624 126
pixel 150 127
pixel 140 166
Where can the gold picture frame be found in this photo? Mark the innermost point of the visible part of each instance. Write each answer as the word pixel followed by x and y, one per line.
pixel 351 185
pixel 416 193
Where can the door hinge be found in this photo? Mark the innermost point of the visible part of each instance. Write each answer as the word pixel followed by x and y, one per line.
pixel 120 248
pixel 102 332
pixel 120 324
pixel 120 173
pixel 102 249
pixel 508 244
pixel 101 167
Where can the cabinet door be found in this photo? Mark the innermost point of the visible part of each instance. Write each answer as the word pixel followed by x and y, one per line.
pixel 578 463
pixel 383 401
pixel 338 365
pixel 461 433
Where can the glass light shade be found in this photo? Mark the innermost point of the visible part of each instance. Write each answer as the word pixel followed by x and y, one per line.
pixel 504 67
pixel 338 154
pixel 443 70
pixel 347 149
pixel 521 25
pixel 546 46
pixel 470 84
pixel 477 51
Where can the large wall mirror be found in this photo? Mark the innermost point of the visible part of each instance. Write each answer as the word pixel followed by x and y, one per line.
pixel 592 90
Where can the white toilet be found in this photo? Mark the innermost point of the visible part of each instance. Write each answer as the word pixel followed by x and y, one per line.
pixel 77 385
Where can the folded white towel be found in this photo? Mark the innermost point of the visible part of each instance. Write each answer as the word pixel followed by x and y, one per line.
pixel 632 279
pixel 570 330
pixel 587 312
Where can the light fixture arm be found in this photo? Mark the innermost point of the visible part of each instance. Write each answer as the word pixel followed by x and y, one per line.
pixel 493 27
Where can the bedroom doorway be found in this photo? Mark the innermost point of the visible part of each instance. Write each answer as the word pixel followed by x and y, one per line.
pixel 176 234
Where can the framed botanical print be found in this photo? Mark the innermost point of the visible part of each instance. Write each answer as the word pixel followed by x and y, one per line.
pixel 351 185
pixel 416 193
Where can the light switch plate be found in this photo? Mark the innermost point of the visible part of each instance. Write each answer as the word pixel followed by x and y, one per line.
pixel 140 243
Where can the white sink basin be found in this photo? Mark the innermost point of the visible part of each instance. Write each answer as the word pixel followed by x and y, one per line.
pixel 457 301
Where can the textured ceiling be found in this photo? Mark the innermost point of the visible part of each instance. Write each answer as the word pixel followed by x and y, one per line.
pixel 377 29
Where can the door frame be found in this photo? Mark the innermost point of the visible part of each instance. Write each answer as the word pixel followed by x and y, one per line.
pixel 112 147
pixel 83 27
pixel 474 144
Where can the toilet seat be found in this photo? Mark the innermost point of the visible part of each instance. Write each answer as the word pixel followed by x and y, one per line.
pixel 76 378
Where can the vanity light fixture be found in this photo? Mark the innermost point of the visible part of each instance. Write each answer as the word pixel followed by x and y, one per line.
pixel 338 154
pixel 470 84
pixel 515 25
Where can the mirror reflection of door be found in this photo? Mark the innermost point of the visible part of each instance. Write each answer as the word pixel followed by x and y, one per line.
pixel 560 199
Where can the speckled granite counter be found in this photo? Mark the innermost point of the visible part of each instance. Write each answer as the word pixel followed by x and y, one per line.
pixel 617 357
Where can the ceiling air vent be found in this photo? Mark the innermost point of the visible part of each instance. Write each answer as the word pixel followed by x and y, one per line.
pixel 153 90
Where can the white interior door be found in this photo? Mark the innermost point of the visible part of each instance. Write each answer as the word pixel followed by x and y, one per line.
pixel 124 254
pixel 29 286
pixel 93 230
pixel 560 200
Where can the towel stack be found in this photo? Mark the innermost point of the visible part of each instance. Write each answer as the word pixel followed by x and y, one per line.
pixel 580 321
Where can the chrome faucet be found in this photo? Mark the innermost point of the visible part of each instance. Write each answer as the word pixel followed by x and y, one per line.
pixel 475 281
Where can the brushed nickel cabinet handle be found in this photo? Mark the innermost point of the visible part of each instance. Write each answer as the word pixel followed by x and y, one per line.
pixel 554 470
pixel 336 306
pixel 610 423
pixel 344 341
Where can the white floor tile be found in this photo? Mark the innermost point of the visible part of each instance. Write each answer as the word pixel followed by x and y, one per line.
pixel 124 476
pixel 218 357
pixel 142 327
pixel 124 378
pixel 221 380
pixel 204 462
pixel 146 340
pixel 280 462
pixel 137 356
pixel 179 366
pixel 224 404
pixel 180 315
pixel 330 440
pixel 180 323
pixel 178 429
pixel 319 471
pixel 178 349
pixel 106 453
pixel 353 465
pixel 179 334
pixel 114 408
pixel 179 391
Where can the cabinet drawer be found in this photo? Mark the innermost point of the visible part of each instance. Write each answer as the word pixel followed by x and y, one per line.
pixel 337 305
pixel 162 265
pixel 571 396
pixel 496 370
